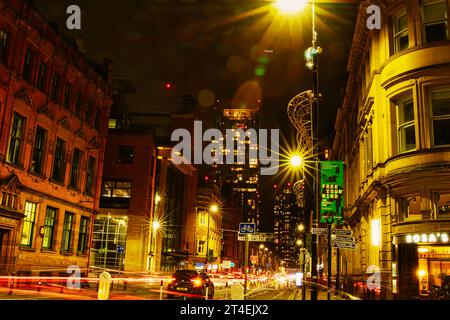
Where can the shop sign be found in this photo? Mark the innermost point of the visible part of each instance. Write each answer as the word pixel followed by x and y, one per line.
pixel 332 191
pixel 427 238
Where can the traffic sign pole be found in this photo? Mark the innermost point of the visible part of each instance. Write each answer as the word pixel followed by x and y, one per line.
pixel 246 264
pixel 329 262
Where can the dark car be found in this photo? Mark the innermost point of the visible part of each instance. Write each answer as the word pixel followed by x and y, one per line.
pixel 190 284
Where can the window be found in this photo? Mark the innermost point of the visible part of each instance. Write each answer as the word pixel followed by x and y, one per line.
pixel 28 224
pixel 3 46
pixel 112 123
pixel 49 228
pixel 440 117
pixel 90 175
pixel 78 105
pixel 27 65
pixel 435 21
pixel 66 241
pixel 201 246
pixel 401 39
pixel 38 151
pixel 42 76
pixel 89 110
pixel 125 154
pixel 56 83
pixel 406 133
pixel 97 119
pixel 16 139
pixel 202 218
pixel 59 161
pixel 67 93
pixel 409 207
pixel 443 204
pixel 82 236
pixel 76 162
pixel 116 189
pixel 368 149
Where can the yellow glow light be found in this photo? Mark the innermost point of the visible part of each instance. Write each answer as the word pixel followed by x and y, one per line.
pixel 290 6
pixel 156 224
pixel 214 208
pixel 422 273
pixel 301 227
pixel 295 161
pixel 157 198
pixel 299 242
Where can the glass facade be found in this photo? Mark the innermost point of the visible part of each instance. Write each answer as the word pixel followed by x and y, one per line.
pixel 109 242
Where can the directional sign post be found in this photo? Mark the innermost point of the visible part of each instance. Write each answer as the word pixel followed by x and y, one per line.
pixel 344 245
pixel 258 237
pixel 342 232
pixel 247 229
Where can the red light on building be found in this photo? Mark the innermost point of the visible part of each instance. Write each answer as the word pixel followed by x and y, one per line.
pixel 206 178
pixel 289 184
pixel 168 85
pixel 275 186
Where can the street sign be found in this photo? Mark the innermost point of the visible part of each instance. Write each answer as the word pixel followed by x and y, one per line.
pixel 342 232
pixel 247 228
pixel 319 231
pixel 344 245
pixel 344 239
pixel 331 189
pixel 259 237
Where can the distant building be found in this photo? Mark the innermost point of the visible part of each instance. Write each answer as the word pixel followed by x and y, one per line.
pixel 54 108
pixel 392 131
pixel 287 218
pixel 243 178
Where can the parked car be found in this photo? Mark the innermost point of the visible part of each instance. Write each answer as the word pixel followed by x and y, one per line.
pixel 190 284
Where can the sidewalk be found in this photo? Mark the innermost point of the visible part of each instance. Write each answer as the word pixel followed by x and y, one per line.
pixel 321 295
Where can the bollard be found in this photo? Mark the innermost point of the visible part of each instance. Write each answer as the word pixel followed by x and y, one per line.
pixel 226 290
pixel 104 286
pixel 161 290
pixel 206 295
pixel 11 285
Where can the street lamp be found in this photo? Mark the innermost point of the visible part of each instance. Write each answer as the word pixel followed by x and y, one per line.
pixel 290 6
pixel 214 208
pixel 156 225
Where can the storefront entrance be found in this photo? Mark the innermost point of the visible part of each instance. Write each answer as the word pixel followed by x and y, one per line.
pixel 433 261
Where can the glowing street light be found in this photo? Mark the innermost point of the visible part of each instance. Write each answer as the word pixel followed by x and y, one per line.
pixel 214 208
pixel 295 161
pixel 261 246
pixel 156 225
pixel 301 227
pixel 299 242
pixel 290 7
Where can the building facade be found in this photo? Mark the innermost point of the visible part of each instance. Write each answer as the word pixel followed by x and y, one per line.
pixel 54 107
pixel 392 133
pixel 287 218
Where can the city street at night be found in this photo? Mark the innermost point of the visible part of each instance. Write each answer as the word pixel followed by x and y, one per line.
pixel 225 157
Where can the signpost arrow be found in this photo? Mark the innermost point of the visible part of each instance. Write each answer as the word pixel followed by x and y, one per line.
pixel 342 232
pixel 344 239
pixel 319 231
pixel 344 245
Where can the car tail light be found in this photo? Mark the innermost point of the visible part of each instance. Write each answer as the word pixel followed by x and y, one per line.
pixel 197 282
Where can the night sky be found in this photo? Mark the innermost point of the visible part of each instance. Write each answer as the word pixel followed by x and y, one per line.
pixel 234 51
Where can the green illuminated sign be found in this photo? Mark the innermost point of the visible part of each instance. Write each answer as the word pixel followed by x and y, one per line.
pixel 332 191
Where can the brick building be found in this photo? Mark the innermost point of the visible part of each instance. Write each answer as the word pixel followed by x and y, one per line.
pixel 54 108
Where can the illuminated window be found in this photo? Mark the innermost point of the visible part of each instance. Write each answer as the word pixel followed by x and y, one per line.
pixel 202 218
pixel 406 128
pixel 28 224
pixel 435 21
pixel 112 123
pixel 443 204
pixel 375 232
pixel 401 39
pixel 440 117
pixel 116 189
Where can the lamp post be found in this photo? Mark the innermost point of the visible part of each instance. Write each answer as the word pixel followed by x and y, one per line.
pixel 155 227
